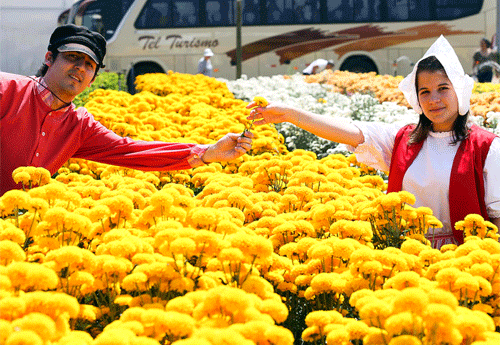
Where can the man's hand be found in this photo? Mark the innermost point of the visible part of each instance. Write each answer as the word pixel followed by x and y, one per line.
pixel 229 147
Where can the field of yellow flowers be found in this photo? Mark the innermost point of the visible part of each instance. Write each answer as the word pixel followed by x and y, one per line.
pixel 275 248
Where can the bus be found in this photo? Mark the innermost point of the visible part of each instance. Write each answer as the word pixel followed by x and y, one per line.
pixel 280 36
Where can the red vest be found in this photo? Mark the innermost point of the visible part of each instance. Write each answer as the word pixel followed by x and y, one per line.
pixel 466 193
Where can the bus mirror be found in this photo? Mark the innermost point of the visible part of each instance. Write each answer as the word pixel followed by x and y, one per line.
pixel 233 63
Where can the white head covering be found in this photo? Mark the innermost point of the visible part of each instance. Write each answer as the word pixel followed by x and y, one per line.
pixel 462 83
pixel 208 52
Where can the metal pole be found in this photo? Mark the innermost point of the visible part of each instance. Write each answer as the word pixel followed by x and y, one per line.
pixel 498 27
pixel 238 38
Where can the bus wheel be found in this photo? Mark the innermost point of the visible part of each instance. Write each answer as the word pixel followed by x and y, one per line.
pixel 359 64
pixel 140 69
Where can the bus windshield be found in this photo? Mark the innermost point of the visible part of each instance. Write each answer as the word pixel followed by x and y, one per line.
pixel 102 16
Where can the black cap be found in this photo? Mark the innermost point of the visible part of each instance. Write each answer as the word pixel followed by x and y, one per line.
pixel 71 37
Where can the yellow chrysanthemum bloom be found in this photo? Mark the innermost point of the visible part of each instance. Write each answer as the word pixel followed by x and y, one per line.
pixel 28 276
pixel 405 340
pixel 23 337
pixel 11 251
pixel 260 101
pixel 39 323
pixel 411 299
pixel 404 323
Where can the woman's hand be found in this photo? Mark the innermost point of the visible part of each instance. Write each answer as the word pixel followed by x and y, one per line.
pixel 229 147
pixel 273 113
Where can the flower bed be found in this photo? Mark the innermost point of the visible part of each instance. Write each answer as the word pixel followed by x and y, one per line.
pixel 276 246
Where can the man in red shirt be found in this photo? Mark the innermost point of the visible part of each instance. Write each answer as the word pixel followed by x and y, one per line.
pixel 39 125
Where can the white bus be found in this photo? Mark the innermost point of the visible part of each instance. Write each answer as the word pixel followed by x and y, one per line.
pixel 281 36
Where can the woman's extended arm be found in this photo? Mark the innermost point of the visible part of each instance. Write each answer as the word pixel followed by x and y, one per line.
pixel 327 127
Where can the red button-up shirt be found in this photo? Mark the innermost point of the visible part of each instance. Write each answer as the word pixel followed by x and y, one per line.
pixel 32 134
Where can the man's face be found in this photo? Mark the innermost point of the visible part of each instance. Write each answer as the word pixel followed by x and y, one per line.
pixel 69 74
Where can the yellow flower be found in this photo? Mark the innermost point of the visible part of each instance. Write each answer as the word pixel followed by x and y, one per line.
pixel 375 312
pixel 438 314
pixel 15 199
pixel 328 282
pixel 391 200
pixel 403 280
pixel 231 254
pixel 357 329
pixel 471 285
pixel 180 304
pixel 183 246
pixel 405 340
pixel 119 336
pixel 261 101
pixel 411 299
pixel 311 334
pixel 338 336
pixel 53 304
pixel 24 337
pixel 76 338
pixel 472 324
pixel 276 309
pixel 322 318
pixel 443 297
pixel 31 276
pixel 39 323
pixel 11 251
pixel 182 285
pixel 404 323
pixel 279 336
pixel 80 278
pixel 12 308
pixel 21 177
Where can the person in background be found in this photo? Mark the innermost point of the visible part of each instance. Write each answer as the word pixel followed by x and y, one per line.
pixel 495 57
pixel 318 66
pixel 40 126
pixel 205 63
pixel 448 164
pixel 481 58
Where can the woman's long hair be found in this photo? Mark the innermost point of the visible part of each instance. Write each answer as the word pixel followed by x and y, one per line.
pixel 424 126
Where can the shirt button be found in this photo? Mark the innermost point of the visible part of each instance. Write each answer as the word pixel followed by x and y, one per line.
pixel 37 154
pixel 43 134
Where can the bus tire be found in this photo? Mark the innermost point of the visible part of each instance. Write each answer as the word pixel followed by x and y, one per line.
pixel 140 69
pixel 359 64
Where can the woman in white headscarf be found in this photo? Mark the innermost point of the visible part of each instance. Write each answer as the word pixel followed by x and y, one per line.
pixel 204 64
pixel 451 166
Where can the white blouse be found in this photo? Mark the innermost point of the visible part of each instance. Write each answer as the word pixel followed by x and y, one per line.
pixel 428 177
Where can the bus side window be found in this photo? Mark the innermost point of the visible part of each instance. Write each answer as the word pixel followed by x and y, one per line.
pixel 223 12
pixel 251 11
pixel 185 13
pixel 398 10
pixel 339 11
pixel 419 10
pixel 218 13
pixel 279 12
pixel 307 11
pixel 154 15
pixel 451 9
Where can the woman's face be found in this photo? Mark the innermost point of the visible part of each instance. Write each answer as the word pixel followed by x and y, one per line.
pixel 438 99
